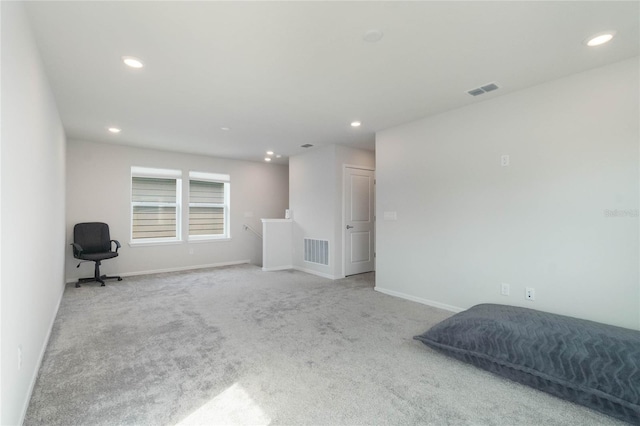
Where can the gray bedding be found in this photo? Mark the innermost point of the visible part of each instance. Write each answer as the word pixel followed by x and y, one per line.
pixel 589 363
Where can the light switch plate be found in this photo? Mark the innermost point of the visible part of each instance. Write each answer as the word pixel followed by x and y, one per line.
pixel 504 289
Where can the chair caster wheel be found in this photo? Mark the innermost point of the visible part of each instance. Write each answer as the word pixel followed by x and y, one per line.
pixel 78 285
pixel 119 279
pixel 102 285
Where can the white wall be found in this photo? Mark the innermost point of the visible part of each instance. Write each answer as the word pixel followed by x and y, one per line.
pixel 33 209
pixel 465 224
pixel 277 247
pixel 99 187
pixel 315 191
pixel 312 183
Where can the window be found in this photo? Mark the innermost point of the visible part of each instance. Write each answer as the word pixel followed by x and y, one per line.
pixel 155 204
pixel 208 206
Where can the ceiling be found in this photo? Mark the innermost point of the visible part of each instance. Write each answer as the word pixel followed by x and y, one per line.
pixel 283 74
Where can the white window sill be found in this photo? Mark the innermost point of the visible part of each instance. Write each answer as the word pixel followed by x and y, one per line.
pixel 196 240
pixel 154 243
pixel 208 239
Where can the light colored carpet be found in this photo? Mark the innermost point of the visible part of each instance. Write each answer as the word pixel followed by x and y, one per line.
pixel 236 345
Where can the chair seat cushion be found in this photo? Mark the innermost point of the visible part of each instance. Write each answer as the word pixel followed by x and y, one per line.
pixel 592 364
pixel 98 256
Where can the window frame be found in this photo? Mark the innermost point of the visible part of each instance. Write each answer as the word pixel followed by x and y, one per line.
pixel 155 173
pixel 226 206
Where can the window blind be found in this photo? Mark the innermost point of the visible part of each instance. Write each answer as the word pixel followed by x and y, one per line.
pixel 154 207
pixel 206 192
pixel 206 208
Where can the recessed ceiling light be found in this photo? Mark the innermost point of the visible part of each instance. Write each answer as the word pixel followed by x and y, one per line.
pixel 372 36
pixel 356 124
pixel 600 38
pixel 132 62
pixel 114 130
pixel 226 129
pixel 278 156
pixel 269 152
pixel 267 159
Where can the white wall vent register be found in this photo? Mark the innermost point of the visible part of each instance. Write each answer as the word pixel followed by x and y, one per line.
pixel 316 251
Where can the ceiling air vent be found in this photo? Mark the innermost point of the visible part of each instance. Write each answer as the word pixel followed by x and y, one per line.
pixel 306 145
pixel 490 87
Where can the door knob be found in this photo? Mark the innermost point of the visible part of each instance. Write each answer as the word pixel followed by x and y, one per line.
pixel 349 226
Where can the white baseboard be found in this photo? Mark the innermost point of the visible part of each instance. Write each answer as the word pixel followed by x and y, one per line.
pixel 320 274
pixel 277 268
pixel 34 377
pixel 178 269
pixel 419 300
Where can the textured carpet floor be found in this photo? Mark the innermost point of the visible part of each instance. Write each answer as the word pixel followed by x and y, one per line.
pixel 236 345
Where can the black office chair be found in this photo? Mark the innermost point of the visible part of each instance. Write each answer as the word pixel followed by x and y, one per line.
pixel 92 243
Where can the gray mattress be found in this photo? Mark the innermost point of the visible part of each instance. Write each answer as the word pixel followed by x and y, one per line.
pixel 589 363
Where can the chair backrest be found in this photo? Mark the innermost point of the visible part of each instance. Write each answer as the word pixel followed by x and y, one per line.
pixel 92 236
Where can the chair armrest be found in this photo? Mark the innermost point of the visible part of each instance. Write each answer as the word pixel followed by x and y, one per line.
pixel 77 249
pixel 117 244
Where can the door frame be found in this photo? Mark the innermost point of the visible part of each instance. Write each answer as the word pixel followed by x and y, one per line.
pixel 344 214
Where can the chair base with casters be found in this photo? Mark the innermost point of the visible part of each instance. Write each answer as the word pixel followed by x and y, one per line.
pixel 96 277
pixel 92 243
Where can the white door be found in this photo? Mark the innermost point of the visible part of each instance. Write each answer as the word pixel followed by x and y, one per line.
pixel 359 221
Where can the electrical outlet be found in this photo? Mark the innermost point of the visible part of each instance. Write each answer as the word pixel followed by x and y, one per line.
pixel 19 357
pixel 530 293
pixel 504 290
pixel 504 160
pixel 191 251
